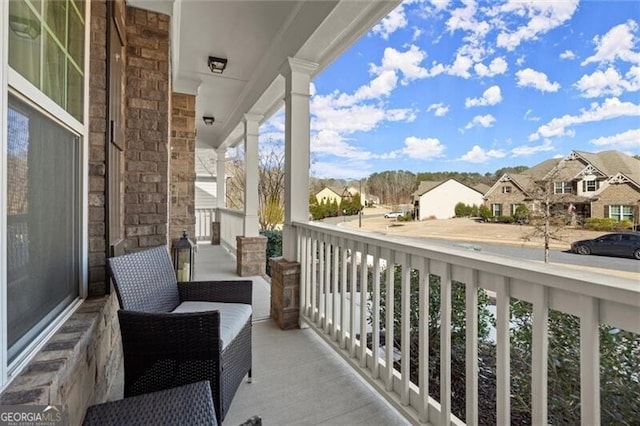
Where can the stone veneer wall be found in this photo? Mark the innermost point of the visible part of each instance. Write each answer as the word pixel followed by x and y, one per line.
pixel 78 366
pixel 182 166
pixel 97 154
pixel 147 135
pixel 616 194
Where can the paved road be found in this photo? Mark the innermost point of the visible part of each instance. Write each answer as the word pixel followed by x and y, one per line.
pixel 509 250
pixel 537 254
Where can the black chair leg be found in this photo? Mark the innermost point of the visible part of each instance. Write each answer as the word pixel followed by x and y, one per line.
pixel 249 378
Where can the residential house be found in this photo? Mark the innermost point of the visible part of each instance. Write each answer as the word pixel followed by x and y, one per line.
pixel 329 195
pixel 101 107
pixel 604 185
pixel 438 199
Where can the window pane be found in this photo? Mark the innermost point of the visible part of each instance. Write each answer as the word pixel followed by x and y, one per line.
pixel 43 225
pixel 53 80
pixel 25 38
pixel 74 92
pixel 55 15
pixel 76 38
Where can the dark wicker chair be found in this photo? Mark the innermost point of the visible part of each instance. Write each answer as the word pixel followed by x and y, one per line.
pixel 164 349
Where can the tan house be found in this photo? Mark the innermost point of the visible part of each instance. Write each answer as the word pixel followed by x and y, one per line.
pixel 604 185
pixel 329 195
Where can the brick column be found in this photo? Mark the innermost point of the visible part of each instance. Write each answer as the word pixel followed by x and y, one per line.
pixel 97 137
pixel 251 255
pixel 182 213
pixel 147 133
pixel 285 292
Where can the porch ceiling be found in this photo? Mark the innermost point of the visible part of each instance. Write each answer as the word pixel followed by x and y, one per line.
pixel 256 36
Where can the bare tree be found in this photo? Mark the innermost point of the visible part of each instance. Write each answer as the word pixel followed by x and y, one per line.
pixel 552 209
pixel 270 184
pixel 393 187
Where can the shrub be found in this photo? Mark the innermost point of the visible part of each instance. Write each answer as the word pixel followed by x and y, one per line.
pixel 406 217
pixel 505 219
pixel 607 224
pixel 274 245
pixel 461 210
pixel 484 212
pixel 522 215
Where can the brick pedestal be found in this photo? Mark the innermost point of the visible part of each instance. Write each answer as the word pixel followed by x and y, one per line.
pixel 285 292
pixel 215 233
pixel 251 256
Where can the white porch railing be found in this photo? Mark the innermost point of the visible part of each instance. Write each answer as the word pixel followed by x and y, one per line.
pixel 204 217
pixel 331 306
pixel 231 225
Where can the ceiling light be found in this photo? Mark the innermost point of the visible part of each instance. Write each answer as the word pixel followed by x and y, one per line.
pixel 208 120
pixel 217 65
pixel 24 27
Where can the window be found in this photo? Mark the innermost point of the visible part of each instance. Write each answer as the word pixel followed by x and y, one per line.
pixel 506 189
pixel 589 185
pixel 515 207
pixel 496 209
pixel 562 187
pixel 46 46
pixel 621 212
pixel 43 222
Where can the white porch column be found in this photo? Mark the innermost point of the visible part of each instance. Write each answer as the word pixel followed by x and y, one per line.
pixel 221 179
pixel 297 75
pixel 251 174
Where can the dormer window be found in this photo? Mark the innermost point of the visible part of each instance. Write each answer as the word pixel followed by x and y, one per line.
pixel 589 185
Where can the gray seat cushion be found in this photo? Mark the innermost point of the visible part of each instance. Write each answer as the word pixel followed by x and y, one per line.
pixel 233 316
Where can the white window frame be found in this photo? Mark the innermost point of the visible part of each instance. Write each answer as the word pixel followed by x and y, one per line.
pixel 25 90
pixel 562 187
pixel 506 189
pixel 621 214
pixel 493 209
pixel 588 183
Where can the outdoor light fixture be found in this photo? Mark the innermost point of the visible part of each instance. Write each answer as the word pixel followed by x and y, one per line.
pixel 24 27
pixel 208 120
pixel 217 65
pixel 183 257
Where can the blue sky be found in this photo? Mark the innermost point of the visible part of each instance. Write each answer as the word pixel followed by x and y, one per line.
pixel 475 86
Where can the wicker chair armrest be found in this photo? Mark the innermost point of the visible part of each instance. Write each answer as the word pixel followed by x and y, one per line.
pixel 147 337
pixel 217 291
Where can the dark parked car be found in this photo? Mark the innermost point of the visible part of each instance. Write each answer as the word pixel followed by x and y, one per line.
pixel 623 244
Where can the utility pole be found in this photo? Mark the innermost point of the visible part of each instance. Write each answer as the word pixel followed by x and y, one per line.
pixel 360 206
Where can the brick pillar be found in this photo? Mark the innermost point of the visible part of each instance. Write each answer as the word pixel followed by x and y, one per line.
pixel 147 133
pixel 182 213
pixel 97 136
pixel 215 233
pixel 251 255
pixel 285 292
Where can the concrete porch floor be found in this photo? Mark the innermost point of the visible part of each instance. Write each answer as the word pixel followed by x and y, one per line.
pixel 297 378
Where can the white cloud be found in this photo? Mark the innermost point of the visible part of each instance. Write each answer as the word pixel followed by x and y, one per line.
pixel 417 32
pixel 422 149
pixel 341 170
pixel 497 66
pixel 491 96
pixel 440 109
pixel 333 143
pixel 481 120
pixel 628 139
pixel 394 21
pixel 461 66
pixel 408 63
pixel 617 43
pixel 543 17
pixel 536 79
pixel 407 115
pixel 440 4
pixel 609 82
pixel 530 117
pixel 567 54
pixel 480 155
pixel 609 109
pixel 530 150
